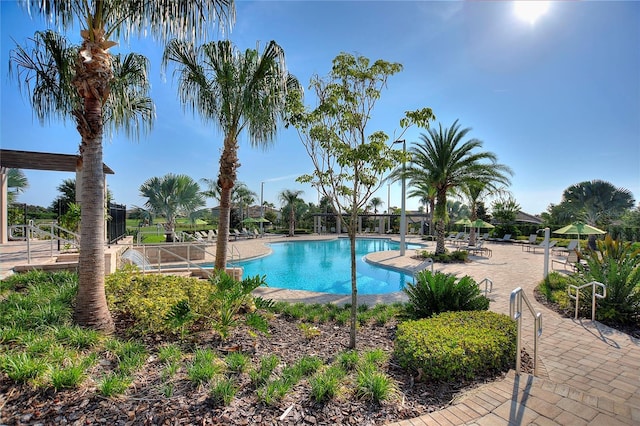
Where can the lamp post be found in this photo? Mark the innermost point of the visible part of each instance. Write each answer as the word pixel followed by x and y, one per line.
pixel 389 206
pixel 261 204
pixel 403 209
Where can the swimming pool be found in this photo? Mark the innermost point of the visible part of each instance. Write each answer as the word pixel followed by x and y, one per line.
pixel 325 266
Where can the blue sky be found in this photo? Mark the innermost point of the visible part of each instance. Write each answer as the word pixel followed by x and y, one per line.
pixel 558 100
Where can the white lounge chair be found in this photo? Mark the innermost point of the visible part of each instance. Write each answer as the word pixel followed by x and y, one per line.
pixel 531 241
pixel 573 245
pixel 542 246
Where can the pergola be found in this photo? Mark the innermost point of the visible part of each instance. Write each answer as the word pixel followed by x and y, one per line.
pixel 12 159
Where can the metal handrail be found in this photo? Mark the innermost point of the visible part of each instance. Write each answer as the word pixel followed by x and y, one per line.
pixel 165 249
pixel 594 295
pixel 488 285
pixel 30 230
pixel 231 251
pixel 515 312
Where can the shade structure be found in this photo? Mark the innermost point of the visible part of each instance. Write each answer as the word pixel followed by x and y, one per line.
pixel 579 228
pixel 249 220
pixel 465 222
pixel 479 223
pixel 262 220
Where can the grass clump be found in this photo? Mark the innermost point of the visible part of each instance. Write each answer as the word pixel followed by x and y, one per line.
pixel 113 384
pixel 455 345
pixel 205 366
pixel 325 384
pixel 223 391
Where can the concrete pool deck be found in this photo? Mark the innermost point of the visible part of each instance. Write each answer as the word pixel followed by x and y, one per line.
pixel 589 374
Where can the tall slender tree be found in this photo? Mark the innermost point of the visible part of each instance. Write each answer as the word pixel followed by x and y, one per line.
pixel 349 163
pixel 82 82
pixel 427 194
pixel 236 91
pixel 290 198
pixel 443 159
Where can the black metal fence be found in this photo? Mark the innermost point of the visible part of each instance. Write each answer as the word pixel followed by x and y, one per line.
pixel 117 223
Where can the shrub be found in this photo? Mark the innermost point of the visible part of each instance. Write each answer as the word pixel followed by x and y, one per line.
pixel 455 345
pixel 158 303
pixel 229 297
pixel 433 293
pixel 459 256
pixel 616 264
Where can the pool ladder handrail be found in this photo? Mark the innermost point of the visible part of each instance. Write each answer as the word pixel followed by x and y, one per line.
pixel 515 312
pixel 165 248
pixel 594 285
pixel 488 285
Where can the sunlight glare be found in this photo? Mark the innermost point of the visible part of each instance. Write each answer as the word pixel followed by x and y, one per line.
pixel 530 10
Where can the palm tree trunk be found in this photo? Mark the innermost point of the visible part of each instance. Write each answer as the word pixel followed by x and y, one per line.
pixel 441 214
pixel 226 180
pixel 91 309
pixel 223 228
pixel 292 220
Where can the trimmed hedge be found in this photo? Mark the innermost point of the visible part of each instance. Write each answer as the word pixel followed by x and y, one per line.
pixel 455 345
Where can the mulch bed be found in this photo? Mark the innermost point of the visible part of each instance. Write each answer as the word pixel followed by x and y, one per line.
pixel 145 404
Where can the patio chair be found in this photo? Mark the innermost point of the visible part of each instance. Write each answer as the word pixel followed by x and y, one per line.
pixel 569 263
pixel 458 237
pixel 479 249
pixel 531 241
pixel 573 245
pixel 505 239
pixel 543 246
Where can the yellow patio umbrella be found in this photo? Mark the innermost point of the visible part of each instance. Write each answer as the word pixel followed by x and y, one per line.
pixel 579 228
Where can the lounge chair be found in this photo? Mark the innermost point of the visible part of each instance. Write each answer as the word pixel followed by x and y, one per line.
pixel 456 238
pixel 505 239
pixel 573 245
pixel 211 235
pixel 542 246
pixel 569 263
pixel 479 249
pixel 531 241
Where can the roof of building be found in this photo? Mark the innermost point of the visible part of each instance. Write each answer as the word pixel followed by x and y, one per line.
pixel 13 159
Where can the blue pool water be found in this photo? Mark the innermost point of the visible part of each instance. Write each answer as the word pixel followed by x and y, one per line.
pixel 325 266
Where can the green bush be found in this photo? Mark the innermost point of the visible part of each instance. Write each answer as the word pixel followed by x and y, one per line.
pixel 433 293
pixel 455 345
pixel 457 256
pixel 155 300
pixel 615 264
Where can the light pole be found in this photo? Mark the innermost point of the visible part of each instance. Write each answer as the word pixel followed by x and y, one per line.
pixel 261 204
pixel 389 206
pixel 403 209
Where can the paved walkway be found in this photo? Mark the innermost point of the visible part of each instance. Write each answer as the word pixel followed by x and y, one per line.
pixel 588 373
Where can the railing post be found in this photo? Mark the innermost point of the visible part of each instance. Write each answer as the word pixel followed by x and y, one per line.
pixel 515 311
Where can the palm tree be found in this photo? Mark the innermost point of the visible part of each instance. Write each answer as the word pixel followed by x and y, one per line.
pixel 67 190
pixel 375 203
pixel 290 198
pixel 170 196
pixel 243 197
pixel 443 160
pixel 236 91
pixel 213 189
pixel 427 195
pixel 17 180
pixel 597 202
pixel 474 191
pixel 83 83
